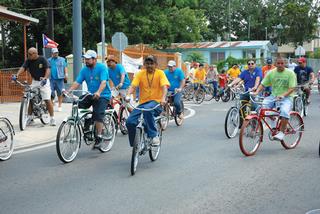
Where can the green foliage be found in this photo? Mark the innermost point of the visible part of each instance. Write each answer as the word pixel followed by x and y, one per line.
pixel 195 57
pixel 229 62
pixel 315 54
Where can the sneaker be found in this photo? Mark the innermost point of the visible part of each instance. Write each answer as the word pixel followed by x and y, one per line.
pixel 30 121
pixel 98 143
pixel 52 122
pixel 59 109
pixel 180 116
pixel 279 136
pixel 156 141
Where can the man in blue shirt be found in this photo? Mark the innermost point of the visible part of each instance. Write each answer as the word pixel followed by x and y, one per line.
pixel 59 73
pixel 177 81
pixel 305 75
pixel 96 76
pixel 118 75
pixel 251 78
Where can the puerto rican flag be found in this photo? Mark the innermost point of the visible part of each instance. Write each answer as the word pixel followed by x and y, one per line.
pixel 48 43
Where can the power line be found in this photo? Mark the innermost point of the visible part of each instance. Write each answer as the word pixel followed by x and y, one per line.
pixel 42 8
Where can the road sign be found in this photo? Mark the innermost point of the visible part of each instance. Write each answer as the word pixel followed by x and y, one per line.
pixel 299 51
pixel 119 41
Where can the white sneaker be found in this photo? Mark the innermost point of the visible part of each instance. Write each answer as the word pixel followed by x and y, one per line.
pixel 156 141
pixel 273 123
pixel 30 121
pixel 279 136
pixel 59 109
pixel 52 122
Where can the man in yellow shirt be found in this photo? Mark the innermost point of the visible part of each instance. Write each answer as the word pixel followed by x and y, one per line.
pixel 199 77
pixel 233 72
pixel 153 85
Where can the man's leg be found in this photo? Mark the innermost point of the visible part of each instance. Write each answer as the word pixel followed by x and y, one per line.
pixel 59 88
pixel 285 108
pixel 131 123
pixel 149 118
pixel 308 92
pixel 215 88
pixel 46 95
pixel 177 102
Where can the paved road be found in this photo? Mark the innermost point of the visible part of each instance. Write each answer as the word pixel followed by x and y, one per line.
pixel 198 171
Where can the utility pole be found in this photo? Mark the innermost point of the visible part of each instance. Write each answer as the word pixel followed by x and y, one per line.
pixel 50 20
pixel 229 25
pixel 77 37
pixel 102 32
pixel 249 29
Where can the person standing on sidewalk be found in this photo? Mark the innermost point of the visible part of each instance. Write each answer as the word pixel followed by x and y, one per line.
pixel 38 67
pixel 59 74
pixel 118 75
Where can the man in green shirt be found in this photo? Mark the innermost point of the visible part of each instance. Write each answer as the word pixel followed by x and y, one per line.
pixel 283 82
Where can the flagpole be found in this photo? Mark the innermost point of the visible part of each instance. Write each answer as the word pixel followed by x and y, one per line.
pixel 43 48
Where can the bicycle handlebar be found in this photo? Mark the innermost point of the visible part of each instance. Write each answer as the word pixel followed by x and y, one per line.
pixel 26 85
pixel 144 109
pixel 72 96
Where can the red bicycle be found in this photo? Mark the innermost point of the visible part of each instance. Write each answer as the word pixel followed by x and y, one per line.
pixel 251 133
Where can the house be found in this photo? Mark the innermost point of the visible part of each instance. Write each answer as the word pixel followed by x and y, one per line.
pixel 218 51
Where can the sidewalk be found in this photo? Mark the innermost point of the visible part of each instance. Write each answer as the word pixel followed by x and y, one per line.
pixel 37 133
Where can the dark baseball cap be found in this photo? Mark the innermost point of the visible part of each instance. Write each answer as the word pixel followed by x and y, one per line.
pixel 150 58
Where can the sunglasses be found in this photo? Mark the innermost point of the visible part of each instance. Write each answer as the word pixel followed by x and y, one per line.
pixel 252 63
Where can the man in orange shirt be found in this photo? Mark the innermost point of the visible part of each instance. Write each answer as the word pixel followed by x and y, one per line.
pixel 153 86
pixel 265 69
pixel 200 76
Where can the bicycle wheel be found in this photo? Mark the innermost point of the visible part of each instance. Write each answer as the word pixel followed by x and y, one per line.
pixel 217 98
pixel 155 150
pixel 298 105
pixel 232 122
pixel 293 132
pixel 198 96
pixel 68 141
pixel 108 133
pixel 305 109
pixel 165 117
pixel 179 119
pixel 23 116
pixel 6 139
pixel 251 136
pixel 45 117
pixel 226 95
pixel 135 151
pixel 124 114
pixel 208 94
pixel 188 92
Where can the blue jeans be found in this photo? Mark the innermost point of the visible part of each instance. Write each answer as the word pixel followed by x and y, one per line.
pixel 285 105
pixel 56 85
pixel 149 122
pixel 177 102
pixel 215 87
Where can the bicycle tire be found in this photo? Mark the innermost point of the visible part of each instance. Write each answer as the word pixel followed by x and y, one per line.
pixel 255 132
pixel 179 120
pixel 165 117
pixel 198 96
pixel 298 105
pixel 23 114
pixel 6 139
pixel 232 118
pixel 208 94
pixel 135 151
pixel 155 150
pixel 305 109
pixel 74 133
pixel 293 132
pixel 45 118
pixel 108 133
pixel 226 96
pixel 124 114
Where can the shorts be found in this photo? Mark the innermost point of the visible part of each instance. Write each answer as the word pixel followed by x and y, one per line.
pixel 98 106
pixel 56 85
pixel 285 105
pixel 45 90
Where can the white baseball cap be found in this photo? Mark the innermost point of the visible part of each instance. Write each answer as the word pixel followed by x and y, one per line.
pixel 90 54
pixel 171 63
pixel 54 50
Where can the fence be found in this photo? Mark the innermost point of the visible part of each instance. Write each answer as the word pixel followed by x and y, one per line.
pixel 11 92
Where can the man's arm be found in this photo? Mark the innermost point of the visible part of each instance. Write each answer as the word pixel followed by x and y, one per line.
pixel 121 81
pixel 164 94
pixel 21 69
pixel 65 73
pixel 74 86
pixel 257 82
pixel 234 82
pixel 131 89
pixel 290 90
pixel 100 89
pixel 47 74
pixel 312 78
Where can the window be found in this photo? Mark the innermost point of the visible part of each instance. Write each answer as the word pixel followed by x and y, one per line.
pixel 249 53
pixel 217 56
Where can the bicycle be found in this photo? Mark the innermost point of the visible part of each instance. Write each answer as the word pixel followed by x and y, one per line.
pixel 300 103
pixel 188 91
pixel 252 129
pixel 142 143
pixel 199 93
pixel 32 96
pixel 169 112
pixel 120 116
pixel 224 94
pixel 236 114
pixel 209 91
pixel 68 140
pixel 6 138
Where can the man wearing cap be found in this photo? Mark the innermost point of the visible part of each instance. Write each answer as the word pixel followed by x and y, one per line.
pixel 265 69
pixel 118 75
pixel 59 74
pixel 96 76
pixel 212 77
pixel 305 75
pixel 153 85
pixel 177 81
pixel 38 67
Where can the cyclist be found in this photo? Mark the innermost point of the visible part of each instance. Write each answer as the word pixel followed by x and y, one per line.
pixel 251 78
pixel 304 75
pixel 153 85
pixel 212 77
pixel 177 81
pixel 233 72
pixel 96 76
pixel 118 75
pixel 38 67
pixel 199 76
pixel 265 69
pixel 283 81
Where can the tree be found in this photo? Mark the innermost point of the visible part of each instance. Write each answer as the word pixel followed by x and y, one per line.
pixel 195 57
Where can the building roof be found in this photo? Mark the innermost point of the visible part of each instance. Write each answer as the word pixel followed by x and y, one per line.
pixel 13 16
pixel 222 44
